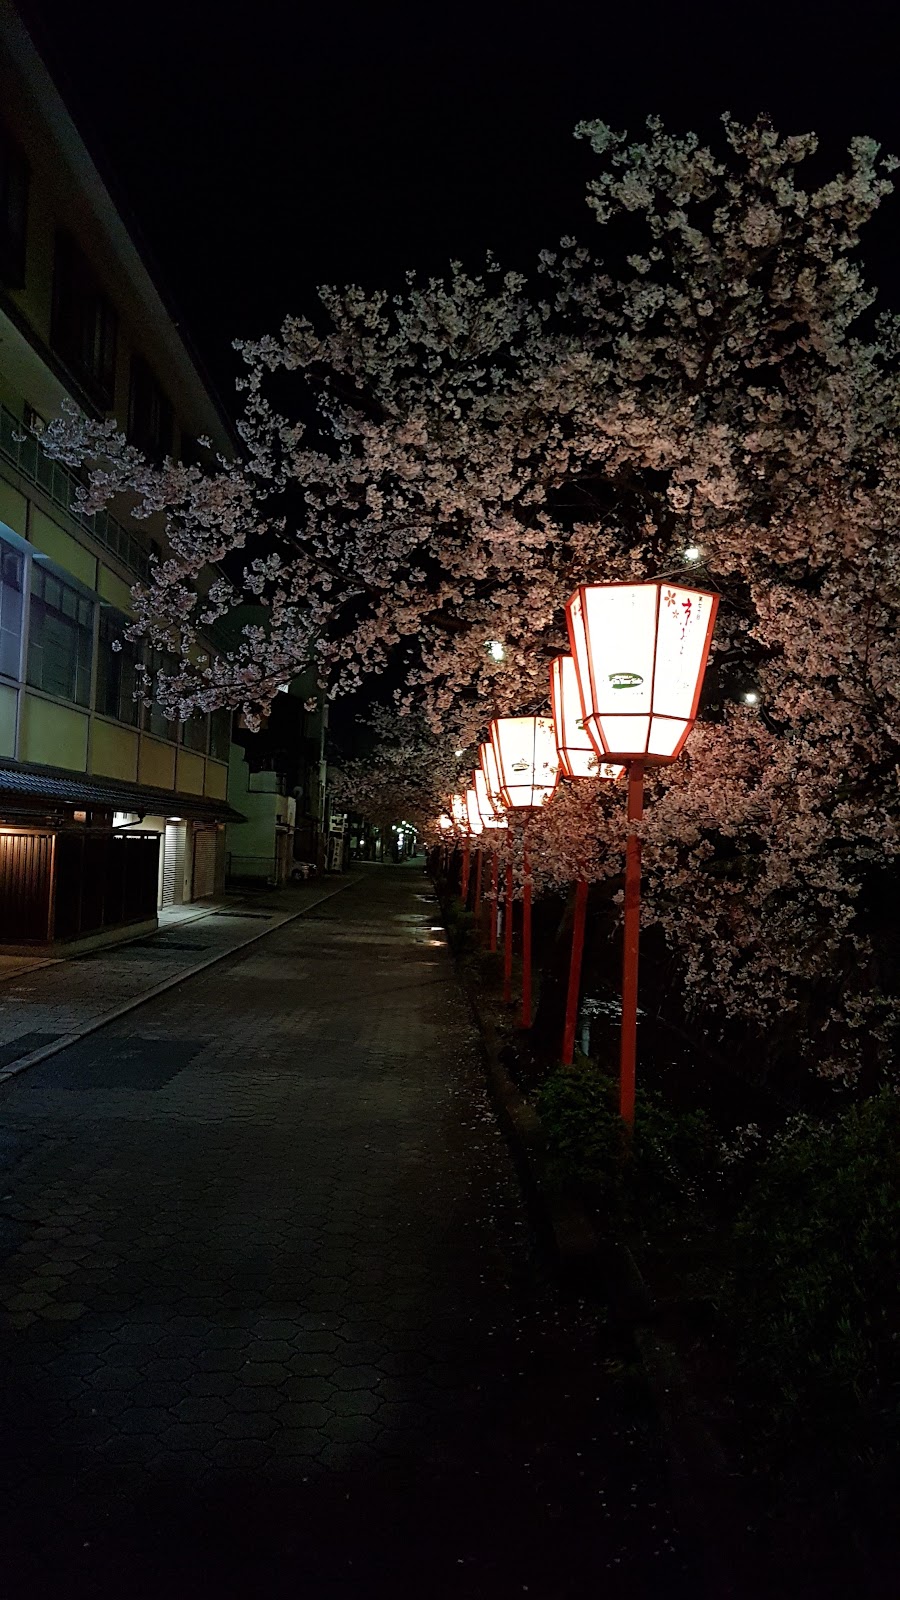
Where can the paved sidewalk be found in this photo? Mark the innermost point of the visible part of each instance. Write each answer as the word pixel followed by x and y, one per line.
pixel 46 1002
pixel 273 1320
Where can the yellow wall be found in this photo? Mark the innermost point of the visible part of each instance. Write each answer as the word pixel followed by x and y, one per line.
pixel 114 751
pixel 157 764
pixel 113 589
pixel 53 735
pixel 216 780
pixel 62 548
pixel 12 508
pixel 189 778
pixel 7 720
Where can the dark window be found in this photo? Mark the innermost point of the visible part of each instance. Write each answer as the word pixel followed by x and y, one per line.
pixel 11 581
pixel 158 723
pixel 60 637
pixel 13 210
pixel 220 735
pixel 83 331
pixel 149 413
pixel 193 733
pixel 116 663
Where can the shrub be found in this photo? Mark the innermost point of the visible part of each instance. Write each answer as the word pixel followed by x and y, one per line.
pixel 813 1294
pixel 670 1160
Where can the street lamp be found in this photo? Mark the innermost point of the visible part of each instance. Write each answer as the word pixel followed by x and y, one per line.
pixel 640 651
pixel 528 773
pixel 578 760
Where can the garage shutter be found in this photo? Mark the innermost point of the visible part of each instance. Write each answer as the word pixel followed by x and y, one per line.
pixel 204 863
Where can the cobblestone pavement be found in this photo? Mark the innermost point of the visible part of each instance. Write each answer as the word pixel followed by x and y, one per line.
pixel 273 1321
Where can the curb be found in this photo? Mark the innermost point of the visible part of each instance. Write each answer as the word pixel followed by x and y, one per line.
pixel 705 1489
pixel 24 1062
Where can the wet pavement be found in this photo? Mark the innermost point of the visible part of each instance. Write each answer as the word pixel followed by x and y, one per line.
pixel 274 1321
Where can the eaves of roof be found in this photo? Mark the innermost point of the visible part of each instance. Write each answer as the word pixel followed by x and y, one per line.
pixel 25 786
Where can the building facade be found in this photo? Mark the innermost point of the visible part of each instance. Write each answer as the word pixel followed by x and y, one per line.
pixel 278 782
pixel 107 809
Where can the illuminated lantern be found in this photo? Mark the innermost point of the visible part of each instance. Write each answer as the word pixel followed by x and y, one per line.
pixel 445 823
pixel 640 651
pixel 490 816
pixel 460 814
pixel 473 815
pixel 577 755
pixel 527 760
pixel 491 775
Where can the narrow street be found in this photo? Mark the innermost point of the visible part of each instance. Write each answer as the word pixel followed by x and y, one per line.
pixel 274 1321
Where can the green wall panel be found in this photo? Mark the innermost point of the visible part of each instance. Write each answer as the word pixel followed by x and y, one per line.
pixel 53 735
pixel 114 751
pixel 62 548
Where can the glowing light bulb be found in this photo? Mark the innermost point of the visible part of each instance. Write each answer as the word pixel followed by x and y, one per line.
pixel 693 553
pixel 495 650
pixel 751 698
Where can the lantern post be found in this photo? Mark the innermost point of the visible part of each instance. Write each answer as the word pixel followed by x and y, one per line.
pixel 508 936
pixel 476 828
pixel 490 808
pixel 528 773
pixel 640 651
pixel 578 760
pixel 460 816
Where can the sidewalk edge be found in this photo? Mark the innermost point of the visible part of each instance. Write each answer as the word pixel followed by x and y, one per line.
pixel 13 1068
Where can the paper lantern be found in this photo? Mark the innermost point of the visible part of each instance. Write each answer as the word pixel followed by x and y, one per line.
pixel 490 815
pixel 527 760
pixel 577 756
pixel 473 815
pixel 640 652
pixel 460 813
pixel 491 772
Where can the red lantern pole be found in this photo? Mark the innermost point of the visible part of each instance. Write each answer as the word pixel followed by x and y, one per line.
pixel 631 943
pixel 478 871
pixel 526 937
pixel 508 937
pixel 568 1046
pixel 495 874
pixel 465 874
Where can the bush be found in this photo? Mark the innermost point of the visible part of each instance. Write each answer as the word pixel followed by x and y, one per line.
pixel 813 1296
pixel 671 1159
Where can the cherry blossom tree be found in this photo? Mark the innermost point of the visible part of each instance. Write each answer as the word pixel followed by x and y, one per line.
pixel 462 453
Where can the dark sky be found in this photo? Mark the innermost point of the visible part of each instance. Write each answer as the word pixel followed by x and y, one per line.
pixel 267 146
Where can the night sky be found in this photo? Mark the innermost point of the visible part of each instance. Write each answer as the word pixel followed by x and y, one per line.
pixel 266 147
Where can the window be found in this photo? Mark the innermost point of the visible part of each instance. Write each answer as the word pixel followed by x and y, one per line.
pixel 83 329
pixel 149 413
pixel 220 735
pixel 60 637
pixel 116 676
pixel 13 211
pixel 157 722
pixel 12 567
pixel 193 733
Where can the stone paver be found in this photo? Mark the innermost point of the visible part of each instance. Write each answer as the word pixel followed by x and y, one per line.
pixel 272 1317
pixel 41 1000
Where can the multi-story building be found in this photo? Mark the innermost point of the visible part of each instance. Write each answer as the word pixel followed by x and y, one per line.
pixel 107 808
pixel 278 782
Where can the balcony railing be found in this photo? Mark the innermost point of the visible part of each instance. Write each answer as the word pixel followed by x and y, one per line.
pixel 62 487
